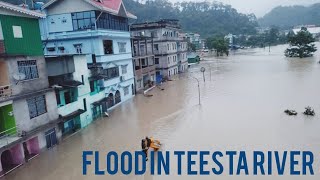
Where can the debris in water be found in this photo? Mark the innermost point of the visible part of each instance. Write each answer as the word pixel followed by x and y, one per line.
pixel 148 95
pixel 160 88
pixel 309 111
pixel 291 112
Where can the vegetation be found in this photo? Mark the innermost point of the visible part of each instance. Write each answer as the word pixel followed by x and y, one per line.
pixel 271 37
pixel 191 47
pixel 301 45
pixel 219 44
pixel 205 18
pixel 289 16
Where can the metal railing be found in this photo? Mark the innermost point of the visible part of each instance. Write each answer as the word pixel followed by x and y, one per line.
pixel 5 91
pixel 6 137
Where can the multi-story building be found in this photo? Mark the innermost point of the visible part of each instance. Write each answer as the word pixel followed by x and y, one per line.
pixel 169 49
pixel 194 38
pixel 28 111
pixel 143 60
pixel 82 34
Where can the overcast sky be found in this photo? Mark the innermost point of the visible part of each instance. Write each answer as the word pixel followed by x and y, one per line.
pixel 259 7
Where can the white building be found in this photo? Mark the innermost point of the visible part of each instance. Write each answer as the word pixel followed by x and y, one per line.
pixel 169 48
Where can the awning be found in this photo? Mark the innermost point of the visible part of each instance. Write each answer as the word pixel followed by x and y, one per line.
pixel 72 115
pixel 97 103
pixel 97 77
pixel 70 83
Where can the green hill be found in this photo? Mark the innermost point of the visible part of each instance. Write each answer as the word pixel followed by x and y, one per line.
pixel 203 17
pixel 289 16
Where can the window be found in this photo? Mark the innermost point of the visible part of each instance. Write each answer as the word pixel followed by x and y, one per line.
pixel 168 47
pixel 29 69
pixel 156 60
pixel 108 46
pixel 108 21
pixel 144 63
pixel 58 97
pixel 126 90
pixel 122 47
pixel 78 48
pixel 124 69
pixel 156 47
pixel 168 60
pixel 17 32
pixel 83 20
pixel 111 72
pixel 92 87
pixel 37 106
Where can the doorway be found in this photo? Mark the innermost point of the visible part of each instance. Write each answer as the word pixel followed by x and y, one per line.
pixel 51 138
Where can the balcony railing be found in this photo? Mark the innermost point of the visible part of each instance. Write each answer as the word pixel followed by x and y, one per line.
pixel 9 136
pixel 5 92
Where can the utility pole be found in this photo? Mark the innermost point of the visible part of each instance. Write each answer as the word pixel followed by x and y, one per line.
pixel 198 88
pixel 203 69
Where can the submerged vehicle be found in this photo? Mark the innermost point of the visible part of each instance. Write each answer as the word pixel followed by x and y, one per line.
pixel 291 112
pixel 309 111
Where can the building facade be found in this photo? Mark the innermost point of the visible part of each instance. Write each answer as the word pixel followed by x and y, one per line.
pixel 97 32
pixel 169 49
pixel 143 61
pixel 28 111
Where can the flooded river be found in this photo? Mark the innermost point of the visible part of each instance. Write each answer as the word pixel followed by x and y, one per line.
pixel 242 105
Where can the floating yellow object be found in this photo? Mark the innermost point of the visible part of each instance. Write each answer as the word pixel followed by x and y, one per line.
pixel 155 144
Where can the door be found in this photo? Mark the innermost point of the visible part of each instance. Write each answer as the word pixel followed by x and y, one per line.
pixel 51 138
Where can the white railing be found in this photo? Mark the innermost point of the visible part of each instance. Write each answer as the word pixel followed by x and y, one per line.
pixel 8 136
pixel 5 91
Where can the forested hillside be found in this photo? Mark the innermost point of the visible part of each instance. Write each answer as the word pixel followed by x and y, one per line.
pixel 289 16
pixel 203 17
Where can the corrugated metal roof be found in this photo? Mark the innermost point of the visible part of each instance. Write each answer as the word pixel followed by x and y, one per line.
pixel 21 10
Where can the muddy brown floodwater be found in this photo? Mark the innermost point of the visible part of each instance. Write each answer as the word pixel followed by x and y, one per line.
pixel 242 106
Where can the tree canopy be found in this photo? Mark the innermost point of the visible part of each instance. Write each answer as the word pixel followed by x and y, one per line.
pixel 205 18
pixel 219 44
pixel 301 44
pixel 286 17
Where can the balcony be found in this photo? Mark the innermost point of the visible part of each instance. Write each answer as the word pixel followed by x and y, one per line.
pixel 66 81
pixel 5 92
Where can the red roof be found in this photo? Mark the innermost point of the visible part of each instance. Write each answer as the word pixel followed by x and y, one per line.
pixel 110 4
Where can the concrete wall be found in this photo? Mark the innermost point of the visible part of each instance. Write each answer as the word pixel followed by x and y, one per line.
pixel 4 80
pixel 80 64
pixel 68 6
pixel 59 23
pixel 22 116
pixel 88 46
pixel 60 65
pixel 27 86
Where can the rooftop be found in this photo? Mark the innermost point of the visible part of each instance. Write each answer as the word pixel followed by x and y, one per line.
pixel 21 10
pixel 173 23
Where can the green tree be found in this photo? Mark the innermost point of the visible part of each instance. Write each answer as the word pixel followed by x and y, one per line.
pixel 219 44
pixel 301 45
pixel 191 47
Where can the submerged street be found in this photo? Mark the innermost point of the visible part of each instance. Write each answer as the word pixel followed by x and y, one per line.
pixel 242 108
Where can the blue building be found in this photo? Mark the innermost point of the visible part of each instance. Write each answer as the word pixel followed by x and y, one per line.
pixel 98 31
